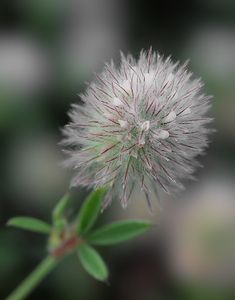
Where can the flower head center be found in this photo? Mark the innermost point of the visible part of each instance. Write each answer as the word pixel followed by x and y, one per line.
pixel 143 131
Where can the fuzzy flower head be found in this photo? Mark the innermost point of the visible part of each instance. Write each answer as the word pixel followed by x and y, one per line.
pixel 140 125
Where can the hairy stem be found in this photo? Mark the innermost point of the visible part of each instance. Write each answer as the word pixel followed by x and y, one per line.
pixel 30 282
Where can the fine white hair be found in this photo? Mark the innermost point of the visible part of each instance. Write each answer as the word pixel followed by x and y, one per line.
pixel 140 125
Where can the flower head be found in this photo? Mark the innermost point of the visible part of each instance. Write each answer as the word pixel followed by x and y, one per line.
pixel 140 125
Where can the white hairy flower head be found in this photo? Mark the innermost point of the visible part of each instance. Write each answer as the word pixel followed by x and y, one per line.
pixel 140 125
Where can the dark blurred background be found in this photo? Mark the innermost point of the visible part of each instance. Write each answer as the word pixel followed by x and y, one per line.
pixel 48 50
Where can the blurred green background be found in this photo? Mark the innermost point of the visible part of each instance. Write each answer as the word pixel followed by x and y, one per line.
pixel 48 50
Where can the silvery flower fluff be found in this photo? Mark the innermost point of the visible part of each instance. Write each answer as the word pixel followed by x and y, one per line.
pixel 140 125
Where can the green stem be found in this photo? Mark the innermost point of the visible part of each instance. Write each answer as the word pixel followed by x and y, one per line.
pixel 30 282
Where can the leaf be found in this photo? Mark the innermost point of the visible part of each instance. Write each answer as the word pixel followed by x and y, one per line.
pixel 90 211
pixel 118 232
pixel 58 211
pixel 31 224
pixel 92 262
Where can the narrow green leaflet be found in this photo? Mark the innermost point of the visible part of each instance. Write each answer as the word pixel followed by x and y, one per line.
pixel 118 232
pixel 59 208
pixel 92 262
pixel 90 211
pixel 31 224
pixel 58 217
